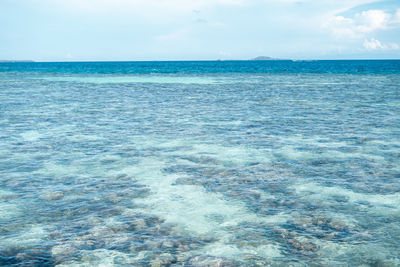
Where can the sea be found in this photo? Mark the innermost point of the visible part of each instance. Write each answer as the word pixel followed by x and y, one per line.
pixel 200 163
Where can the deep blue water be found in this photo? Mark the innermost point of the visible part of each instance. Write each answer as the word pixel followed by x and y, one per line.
pixel 202 67
pixel 232 163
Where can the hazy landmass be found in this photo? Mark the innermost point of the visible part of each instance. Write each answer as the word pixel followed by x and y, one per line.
pixel 267 58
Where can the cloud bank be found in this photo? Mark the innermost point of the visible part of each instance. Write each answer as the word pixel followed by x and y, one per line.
pixel 198 29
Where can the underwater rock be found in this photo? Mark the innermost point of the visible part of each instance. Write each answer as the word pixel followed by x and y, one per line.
pixel 62 251
pixel 52 196
pixel 137 247
pixel 254 260
pixel 22 256
pixel 330 235
pixel 181 258
pixel 122 227
pixel 339 226
pixel 139 224
pixel 114 198
pixel 26 257
pixel 208 261
pixel 320 221
pixel 163 260
pixel 120 242
pixel 185 181
pixel 285 234
pixel 303 246
pixel 207 238
pixel 168 244
pixel 183 248
pixel 152 245
pixel 119 260
pixel 141 193
pixel 101 231
pixel 9 196
pixel 84 244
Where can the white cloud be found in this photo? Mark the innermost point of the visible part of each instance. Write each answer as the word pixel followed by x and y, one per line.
pixel 394 46
pixel 178 28
pixel 341 26
pixel 362 23
pixel 374 44
pixel 372 20
pixel 396 18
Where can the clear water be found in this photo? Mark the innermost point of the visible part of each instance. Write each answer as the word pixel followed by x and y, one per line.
pixel 200 163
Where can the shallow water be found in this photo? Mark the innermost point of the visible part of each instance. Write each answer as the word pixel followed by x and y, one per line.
pixel 194 169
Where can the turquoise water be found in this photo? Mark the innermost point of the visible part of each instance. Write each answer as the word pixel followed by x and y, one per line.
pixel 200 163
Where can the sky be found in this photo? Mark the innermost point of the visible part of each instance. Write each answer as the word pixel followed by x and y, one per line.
pixel 86 30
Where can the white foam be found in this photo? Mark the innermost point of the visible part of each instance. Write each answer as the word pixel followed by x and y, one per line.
pixel 102 257
pixel 292 153
pixel 318 192
pixel 30 236
pixel 335 252
pixel 81 137
pixel 316 141
pixel 8 211
pixel 221 249
pixel 224 155
pixel 232 155
pixel 292 143
pixel 31 136
pixel 51 168
pixel 140 79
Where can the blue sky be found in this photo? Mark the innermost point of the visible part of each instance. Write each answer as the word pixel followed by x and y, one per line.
pixel 73 30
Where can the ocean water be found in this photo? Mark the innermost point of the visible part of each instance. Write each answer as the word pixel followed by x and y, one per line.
pixel 238 163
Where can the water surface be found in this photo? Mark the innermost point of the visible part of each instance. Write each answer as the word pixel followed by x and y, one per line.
pixel 194 163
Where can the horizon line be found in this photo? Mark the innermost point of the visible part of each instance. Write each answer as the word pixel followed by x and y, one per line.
pixel 189 60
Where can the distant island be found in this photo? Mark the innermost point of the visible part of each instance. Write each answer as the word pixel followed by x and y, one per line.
pixel 267 58
pixel 14 61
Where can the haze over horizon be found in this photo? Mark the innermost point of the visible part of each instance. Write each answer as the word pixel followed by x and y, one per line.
pixel 123 30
